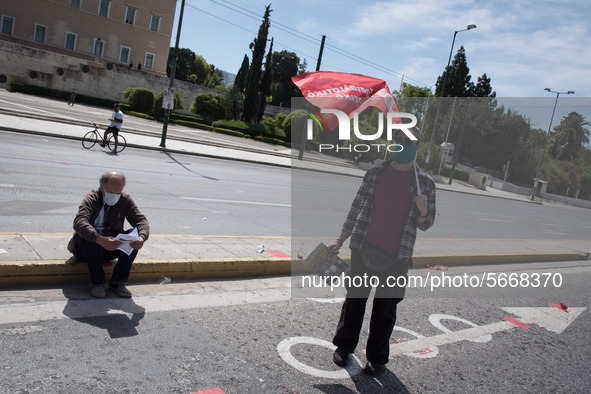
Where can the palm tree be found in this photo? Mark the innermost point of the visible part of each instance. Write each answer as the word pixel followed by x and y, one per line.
pixel 570 136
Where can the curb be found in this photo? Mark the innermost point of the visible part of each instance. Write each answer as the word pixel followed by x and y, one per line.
pixel 30 273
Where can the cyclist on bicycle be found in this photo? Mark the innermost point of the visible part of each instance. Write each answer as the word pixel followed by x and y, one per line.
pixel 116 122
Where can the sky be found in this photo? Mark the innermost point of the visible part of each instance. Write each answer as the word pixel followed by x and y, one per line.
pixel 523 46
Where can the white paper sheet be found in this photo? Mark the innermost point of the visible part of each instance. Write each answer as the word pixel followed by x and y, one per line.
pixel 126 239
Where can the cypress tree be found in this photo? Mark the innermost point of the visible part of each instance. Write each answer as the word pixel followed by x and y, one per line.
pixel 253 78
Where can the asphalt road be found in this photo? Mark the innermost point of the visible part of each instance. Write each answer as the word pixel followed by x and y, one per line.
pixel 249 336
pixel 43 179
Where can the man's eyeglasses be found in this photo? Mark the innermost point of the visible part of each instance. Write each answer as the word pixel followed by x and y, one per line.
pixel 398 138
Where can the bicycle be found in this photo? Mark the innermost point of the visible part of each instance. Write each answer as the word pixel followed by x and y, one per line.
pixel 94 136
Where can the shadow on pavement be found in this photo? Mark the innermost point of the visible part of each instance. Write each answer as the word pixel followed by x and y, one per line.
pixel 119 316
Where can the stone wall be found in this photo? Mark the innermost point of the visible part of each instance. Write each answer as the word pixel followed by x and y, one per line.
pixel 89 77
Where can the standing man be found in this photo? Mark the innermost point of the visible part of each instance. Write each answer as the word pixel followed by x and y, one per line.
pixel 72 98
pixel 116 122
pixel 393 200
pixel 100 218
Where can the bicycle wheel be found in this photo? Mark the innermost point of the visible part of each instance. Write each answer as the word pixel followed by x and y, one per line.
pixel 89 139
pixel 121 143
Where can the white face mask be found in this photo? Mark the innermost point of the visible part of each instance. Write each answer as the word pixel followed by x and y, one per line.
pixel 111 198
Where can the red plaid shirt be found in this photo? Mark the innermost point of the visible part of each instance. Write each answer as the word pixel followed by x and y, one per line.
pixel 359 215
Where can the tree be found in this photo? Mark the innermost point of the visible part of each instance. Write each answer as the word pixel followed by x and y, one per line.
pixel 208 106
pixel 413 99
pixel 184 64
pixel 253 78
pixel 483 88
pixel 459 84
pixel 458 78
pixel 285 65
pixel 233 103
pixel 265 85
pixel 570 137
pixel 240 80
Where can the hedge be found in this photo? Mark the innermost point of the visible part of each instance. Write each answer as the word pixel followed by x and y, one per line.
pixel 211 128
pixel 20 87
pixel 458 174
pixel 253 130
pixel 272 141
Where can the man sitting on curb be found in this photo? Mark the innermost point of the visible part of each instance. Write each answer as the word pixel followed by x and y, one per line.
pixel 100 218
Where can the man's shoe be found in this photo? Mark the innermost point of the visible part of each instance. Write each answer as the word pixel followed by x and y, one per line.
pixel 373 369
pixel 340 357
pixel 98 291
pixel 121 290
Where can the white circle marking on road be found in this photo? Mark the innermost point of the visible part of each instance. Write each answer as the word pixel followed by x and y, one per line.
pixel 284 349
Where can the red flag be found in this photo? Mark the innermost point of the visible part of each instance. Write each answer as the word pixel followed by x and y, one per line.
pixel 345 92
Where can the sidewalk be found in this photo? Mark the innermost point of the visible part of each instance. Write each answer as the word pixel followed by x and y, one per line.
pixel 42 259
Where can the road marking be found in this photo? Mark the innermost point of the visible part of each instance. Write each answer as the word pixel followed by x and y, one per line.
pixel 284 348
pixel 496 220
pixel 555 225
pixel 551 318
pixel 6 185
pixel 277 253
pixel 271 204
pixel 516 322
pixel 215 390
pixel 435 319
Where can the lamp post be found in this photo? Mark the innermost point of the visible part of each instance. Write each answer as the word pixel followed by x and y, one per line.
pixel 172 73
pixel 539 171
pixel 428 156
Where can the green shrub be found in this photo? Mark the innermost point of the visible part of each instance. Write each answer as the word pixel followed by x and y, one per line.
pixel 237 125
pixel 274 141
pixel 194 125
pixel 189 118
pixel 253 130
pixel 458 174
pixel 208 106
pixel 125 108
pixel 140 99
pixel 138 114
pixel 231 132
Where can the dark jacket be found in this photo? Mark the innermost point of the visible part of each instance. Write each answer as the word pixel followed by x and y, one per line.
pixel 124 209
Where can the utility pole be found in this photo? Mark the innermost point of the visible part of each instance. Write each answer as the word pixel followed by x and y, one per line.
pixel 172 72
pixel 303 137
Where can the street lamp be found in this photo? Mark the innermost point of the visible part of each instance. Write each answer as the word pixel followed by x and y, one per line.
pixel 469 27
pixel 539 172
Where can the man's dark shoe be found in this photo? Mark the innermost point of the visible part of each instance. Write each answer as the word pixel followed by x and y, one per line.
pixel 373 369
pixel 120 290
pixel 340 357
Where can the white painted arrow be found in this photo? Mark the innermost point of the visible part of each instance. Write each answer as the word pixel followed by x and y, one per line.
pixel 552 319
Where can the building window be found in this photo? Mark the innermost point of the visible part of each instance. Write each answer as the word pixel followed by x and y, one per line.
pixel 40 33
pixel 130 15
pixel 124 54
pixel 104 6
pixel 149 62
pixel 98 48
pixel 155 22
pixel 75 4
pixel 7 25
pixel 70 42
